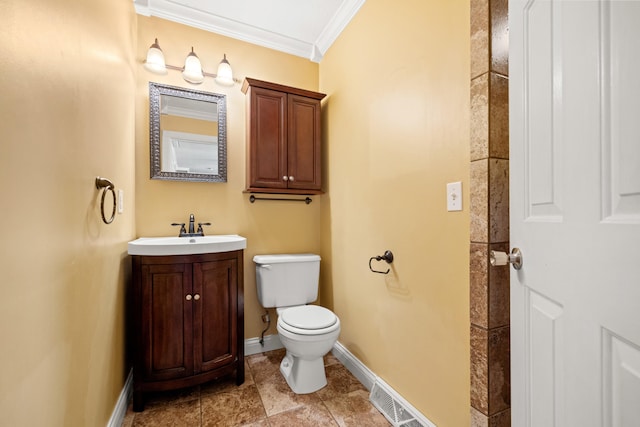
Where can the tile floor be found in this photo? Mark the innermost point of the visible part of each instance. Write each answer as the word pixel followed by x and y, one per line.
pixel 263 400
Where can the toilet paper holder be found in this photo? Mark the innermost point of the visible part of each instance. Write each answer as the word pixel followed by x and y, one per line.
pixel 388 257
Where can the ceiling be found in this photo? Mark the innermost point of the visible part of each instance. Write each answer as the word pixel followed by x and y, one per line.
pixel 305 28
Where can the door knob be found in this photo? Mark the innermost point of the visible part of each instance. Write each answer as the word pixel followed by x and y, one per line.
pixel 502 258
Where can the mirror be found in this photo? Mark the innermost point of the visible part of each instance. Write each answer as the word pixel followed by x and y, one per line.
pixel 187 134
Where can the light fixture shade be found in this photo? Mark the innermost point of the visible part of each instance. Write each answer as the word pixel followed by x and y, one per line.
pixel 155 59
pixel 193 69
pixel 224 76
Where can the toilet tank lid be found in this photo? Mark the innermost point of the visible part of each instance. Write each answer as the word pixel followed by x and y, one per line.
pixel 280 258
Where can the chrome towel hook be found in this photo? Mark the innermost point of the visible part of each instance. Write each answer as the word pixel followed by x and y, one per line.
pixel 388 257
pixel 106 185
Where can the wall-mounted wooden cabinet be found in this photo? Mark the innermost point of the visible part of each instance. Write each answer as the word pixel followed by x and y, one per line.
pixel 188 321
pixel 284 152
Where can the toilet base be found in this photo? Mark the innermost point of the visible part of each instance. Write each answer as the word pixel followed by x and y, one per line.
pixel 303 376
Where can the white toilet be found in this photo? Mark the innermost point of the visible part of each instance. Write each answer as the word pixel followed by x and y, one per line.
pixel 308 332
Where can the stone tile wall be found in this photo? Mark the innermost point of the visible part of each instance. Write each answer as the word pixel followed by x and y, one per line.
pixel 489 287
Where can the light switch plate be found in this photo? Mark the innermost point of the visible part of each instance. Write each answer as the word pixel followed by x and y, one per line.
pixel 454 196
pixel 120 200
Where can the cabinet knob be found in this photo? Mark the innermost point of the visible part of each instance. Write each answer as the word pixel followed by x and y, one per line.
pixel 291 178
pixel 188 297
pixel 196 297
pixel 285 178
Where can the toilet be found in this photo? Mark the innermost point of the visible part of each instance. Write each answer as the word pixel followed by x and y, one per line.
pixel 288 282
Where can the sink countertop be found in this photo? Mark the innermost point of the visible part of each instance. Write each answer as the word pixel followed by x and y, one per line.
pixel 160 246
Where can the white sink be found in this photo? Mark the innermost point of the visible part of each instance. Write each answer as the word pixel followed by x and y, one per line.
pixel 186 245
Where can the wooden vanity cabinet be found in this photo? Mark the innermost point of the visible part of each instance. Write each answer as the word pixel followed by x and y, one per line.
pixel 188 321
pixel 283 139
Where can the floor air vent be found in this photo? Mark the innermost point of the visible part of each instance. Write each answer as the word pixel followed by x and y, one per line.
pixel 393 409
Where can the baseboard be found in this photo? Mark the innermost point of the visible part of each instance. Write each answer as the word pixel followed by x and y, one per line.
pixel 400 412
pixel 120 410
pixel 253 346
pixel 355 366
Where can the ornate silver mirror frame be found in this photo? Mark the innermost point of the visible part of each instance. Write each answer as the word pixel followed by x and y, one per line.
pixel 158 92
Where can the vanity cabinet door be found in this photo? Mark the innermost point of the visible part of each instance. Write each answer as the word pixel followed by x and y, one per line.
pixel 167 329
pixel 215 314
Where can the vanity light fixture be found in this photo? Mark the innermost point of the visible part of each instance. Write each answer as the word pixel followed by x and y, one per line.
pixel 192 71
pixel 155 59
pixel 225 73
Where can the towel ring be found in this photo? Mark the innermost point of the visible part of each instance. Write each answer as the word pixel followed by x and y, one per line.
pixel 106 185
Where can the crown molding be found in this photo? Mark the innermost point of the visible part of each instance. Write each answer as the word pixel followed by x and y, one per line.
pixel 338 23
pixel 314 51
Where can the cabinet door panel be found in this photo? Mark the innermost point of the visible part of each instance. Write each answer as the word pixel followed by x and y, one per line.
pixel 303 144
pixel 215 313
pixel 167 337
pixel 268 163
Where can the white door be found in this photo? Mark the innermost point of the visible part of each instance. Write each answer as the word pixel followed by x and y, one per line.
pixel 575 212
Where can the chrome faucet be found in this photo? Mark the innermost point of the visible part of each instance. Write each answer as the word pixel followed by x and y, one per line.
pixel 192 232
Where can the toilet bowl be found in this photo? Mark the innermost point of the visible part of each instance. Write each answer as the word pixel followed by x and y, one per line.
pixel 288 282
pixel 308 333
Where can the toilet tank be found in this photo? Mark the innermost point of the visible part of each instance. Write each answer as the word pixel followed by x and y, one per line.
pixel 287 279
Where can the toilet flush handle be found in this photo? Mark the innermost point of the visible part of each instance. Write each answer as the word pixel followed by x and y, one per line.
pixel 267 266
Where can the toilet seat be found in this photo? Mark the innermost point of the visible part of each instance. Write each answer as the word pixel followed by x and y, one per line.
pixel 308 320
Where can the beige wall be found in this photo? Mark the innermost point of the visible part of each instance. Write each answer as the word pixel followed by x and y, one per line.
pixel 270 227
pixel 67 116
pixel 397 130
